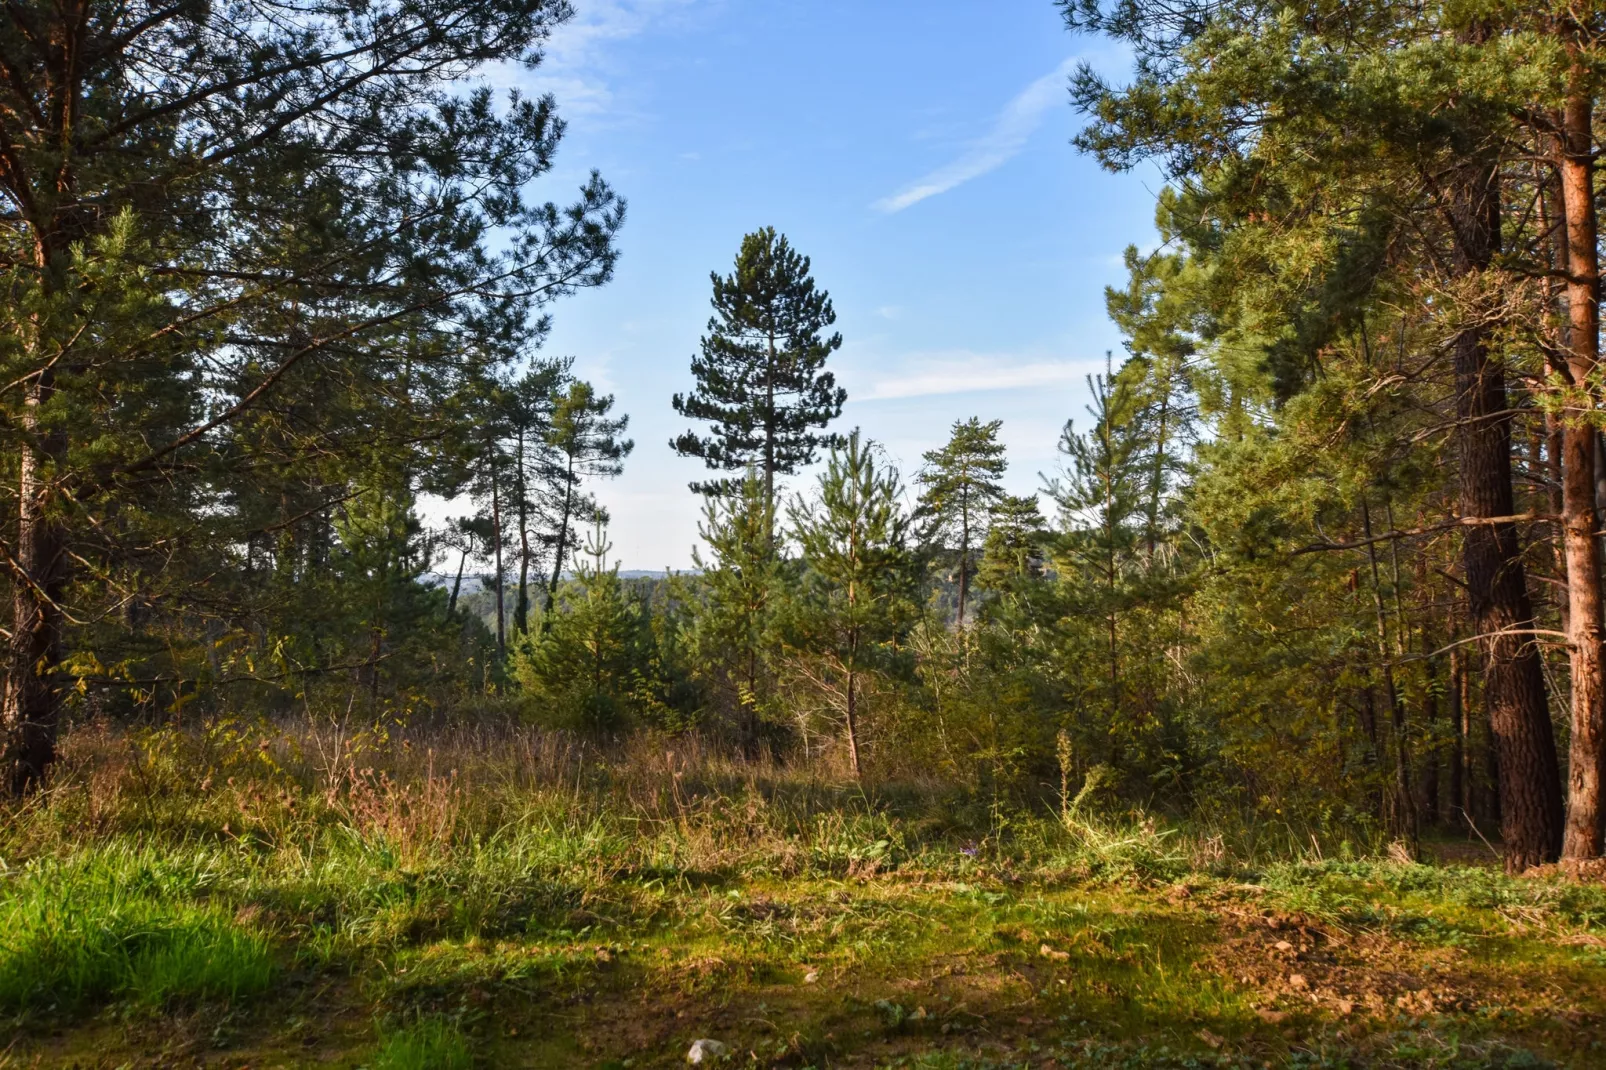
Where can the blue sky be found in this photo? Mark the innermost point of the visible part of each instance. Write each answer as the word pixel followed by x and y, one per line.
pixel 917 150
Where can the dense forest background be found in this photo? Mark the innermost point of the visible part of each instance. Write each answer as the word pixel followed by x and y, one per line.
pixel 1323 553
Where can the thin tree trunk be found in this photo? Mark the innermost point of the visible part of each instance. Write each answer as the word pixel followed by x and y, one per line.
pixel 1157 477
pixel 853 657
pixel 1109 578
pixel 457 584
pixel 964 561
pixel 853 726
pixel 496 534
pixel 1497 590
pixel 769 445
pixel 1404 809
pixel 1432 749
pixel 1374 750
pixel 1555 444
pixel 1458 746
pixel 521 611
pixel 1552 214
pixel 561 548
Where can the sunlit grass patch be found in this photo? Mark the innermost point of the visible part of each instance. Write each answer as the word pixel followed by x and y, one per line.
pixel 431 1042
pixel 121 924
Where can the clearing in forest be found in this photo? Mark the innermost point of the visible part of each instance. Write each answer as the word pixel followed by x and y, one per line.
pixel 226 901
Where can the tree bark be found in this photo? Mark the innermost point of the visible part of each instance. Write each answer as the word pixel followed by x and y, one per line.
pixel 1403 811
pixel 1429 756
pixel 521 609
pixel 964 559
pixel 561 546
pixel 496 534
pixel 457 584
pixel 1582 838
pixel 1501 610
pixel 853 726
pixel 30 706
pixel 1458 748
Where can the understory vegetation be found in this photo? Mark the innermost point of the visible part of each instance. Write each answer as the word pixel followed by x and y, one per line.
pixel 259 894
pixel 1268 727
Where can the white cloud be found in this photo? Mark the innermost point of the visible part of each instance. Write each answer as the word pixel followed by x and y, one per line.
pixel 1011 130
pixel 963 373
pixel 573 63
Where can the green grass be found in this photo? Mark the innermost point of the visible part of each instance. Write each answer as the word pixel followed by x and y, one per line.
pixel 598 912
pixel 431 1043
pixel 118 923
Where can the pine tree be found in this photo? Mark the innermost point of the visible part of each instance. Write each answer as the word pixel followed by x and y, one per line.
pixel 733 620
pixel 1100 497
pixel 466 535
pixel 761 378
pixel 207 213
pixel 961 486
pixel 581 668
pixel 1396 151
pixel 584 442
pixel 1013 550
pixel 857 602
pixel 529 404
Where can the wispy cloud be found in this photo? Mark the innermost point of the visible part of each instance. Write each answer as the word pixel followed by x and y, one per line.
pixel 929 375
pixel 574 62
pixel 1011 130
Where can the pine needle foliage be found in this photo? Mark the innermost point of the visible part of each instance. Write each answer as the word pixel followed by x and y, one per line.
pixel 761 377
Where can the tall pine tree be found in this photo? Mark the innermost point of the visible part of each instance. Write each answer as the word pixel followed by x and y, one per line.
pixel 961 486
pixel 584 441
pixel 761 378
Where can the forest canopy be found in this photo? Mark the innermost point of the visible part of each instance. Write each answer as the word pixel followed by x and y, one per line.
pixel 1324 549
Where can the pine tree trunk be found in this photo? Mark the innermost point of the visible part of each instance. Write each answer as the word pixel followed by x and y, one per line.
pixel 769 443
pixel 1157 478
pixel 853 660
pixel 30 705
pixel 1458 746
pixel 1555 446
pixel 1582 838
pixel 964 562
pixel 1429 755
pixel 457 584
pixel 561 548
pixel 496 534
pixel 853 726
pixel 1374 752
pixel 521 610
pixel 1403 811
pixel 1501 611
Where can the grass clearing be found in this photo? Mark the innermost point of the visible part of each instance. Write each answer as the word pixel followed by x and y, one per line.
pixel 599 912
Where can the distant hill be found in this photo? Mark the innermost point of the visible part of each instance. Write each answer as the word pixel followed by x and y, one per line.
pixel 475 581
